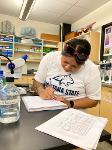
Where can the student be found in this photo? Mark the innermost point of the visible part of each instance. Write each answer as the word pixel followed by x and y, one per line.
pixel 69 76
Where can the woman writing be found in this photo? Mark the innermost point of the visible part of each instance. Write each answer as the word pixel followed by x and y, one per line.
pixel 69 76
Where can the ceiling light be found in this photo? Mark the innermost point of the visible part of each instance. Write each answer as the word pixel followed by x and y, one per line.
pixel 27 5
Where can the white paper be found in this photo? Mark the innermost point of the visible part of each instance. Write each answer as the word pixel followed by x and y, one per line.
pixel 75 127
pixel 35 103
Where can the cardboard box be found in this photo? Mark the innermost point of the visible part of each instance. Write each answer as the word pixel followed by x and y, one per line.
pixel 70 35
pixel 49 37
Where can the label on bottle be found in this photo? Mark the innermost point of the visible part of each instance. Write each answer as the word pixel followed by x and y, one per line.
pixel 9 102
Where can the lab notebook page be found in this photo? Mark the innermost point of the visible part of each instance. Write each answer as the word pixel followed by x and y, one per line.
pixel 35 103
pixel 75 127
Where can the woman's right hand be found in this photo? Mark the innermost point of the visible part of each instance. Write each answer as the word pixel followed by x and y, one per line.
pixel 47 93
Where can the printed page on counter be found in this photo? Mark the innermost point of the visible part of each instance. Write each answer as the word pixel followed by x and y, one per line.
pixel 35 103
pixel 76 127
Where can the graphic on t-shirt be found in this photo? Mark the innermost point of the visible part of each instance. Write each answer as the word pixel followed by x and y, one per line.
pixel 64 79
pixel 63 84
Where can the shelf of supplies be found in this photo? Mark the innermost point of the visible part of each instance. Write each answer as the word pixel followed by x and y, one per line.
pixel 28 60
pixel 50 46
pixel 28 37
pixel 33 60
pixel 3 34
pixel 27 44
pixel 50 43
pixel 6 49
pixel 6 42
pixel 20 46
pixel 25 51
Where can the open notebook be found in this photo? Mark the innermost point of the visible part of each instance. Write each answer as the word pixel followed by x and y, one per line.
pixel 35 103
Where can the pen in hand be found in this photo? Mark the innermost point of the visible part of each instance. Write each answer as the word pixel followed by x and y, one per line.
pixel 62 99
pixel 47 93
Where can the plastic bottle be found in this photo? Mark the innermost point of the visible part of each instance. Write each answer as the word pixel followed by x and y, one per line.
pixel 1 86
pixel 0 62
pixel 9 102
pixel 1 79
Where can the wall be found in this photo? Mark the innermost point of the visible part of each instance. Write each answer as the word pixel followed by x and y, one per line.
pixel 101 16
pixel 40 27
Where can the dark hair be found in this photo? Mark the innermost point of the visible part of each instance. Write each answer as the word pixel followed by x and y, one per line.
pixel 77 48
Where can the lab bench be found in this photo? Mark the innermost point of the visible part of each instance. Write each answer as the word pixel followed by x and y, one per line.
pixel 104 108
pixel 25 80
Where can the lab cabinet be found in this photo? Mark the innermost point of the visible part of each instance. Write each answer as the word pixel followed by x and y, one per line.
pixel 94 110
pixel 104 108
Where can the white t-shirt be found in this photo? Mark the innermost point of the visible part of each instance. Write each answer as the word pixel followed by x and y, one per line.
pixel 85 82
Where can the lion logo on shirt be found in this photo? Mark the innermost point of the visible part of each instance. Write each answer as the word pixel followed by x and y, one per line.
pixel 63 79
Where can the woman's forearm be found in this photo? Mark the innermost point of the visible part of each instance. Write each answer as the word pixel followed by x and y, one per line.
pixel 37 87
pixel 82 103
pixel 85 103
pixel 42 91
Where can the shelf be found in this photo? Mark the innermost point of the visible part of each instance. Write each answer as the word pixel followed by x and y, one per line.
pixel 33 47
pixel 27 44
pixel 24 51
pixel 107 54
pixel 6 42
pixel 49 37
pixel 6 49
pixel 13 58
pixel 79 36
pixel 6 34
pixel 50 46
pixel 50 41
pixel 33 60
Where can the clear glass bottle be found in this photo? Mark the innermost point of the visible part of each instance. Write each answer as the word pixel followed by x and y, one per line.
pixel 9 102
